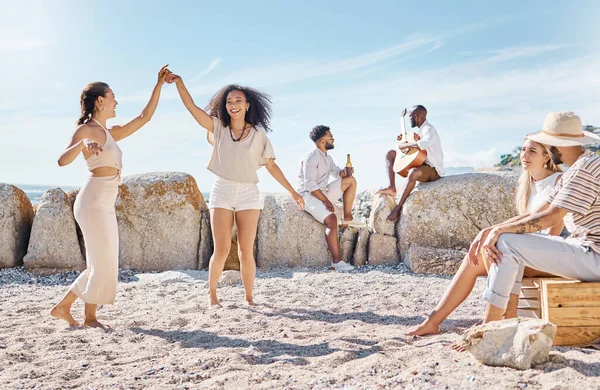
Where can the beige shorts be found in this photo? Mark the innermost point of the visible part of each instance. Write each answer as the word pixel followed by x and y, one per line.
pixel 316 207
pixel 234 196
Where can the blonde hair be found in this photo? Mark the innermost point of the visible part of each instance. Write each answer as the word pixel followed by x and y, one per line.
pixel 526 181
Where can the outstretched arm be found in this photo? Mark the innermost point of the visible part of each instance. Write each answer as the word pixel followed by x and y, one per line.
pixel 199 114
pixel 275 171
pixel 121 132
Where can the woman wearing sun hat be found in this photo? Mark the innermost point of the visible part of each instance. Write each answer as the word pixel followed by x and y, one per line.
pixel 575 200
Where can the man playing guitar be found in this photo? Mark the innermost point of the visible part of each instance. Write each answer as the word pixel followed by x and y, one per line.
pixel 426 139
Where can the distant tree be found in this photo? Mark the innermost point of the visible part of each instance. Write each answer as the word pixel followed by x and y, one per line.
pixel 510 160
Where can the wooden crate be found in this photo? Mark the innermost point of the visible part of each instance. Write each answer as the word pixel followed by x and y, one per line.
pixel 573 306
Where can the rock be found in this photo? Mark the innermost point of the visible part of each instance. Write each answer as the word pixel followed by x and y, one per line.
pixel 382 207
pixel 519 343
pixel 205 249
pixel 448 213
pixel 348 237
pixel 383 250
pixel 289 237
pixel 233 259
pixel 169 277
pixel 427 260
pixel 16 218
pixel 72 195
pixel 363 204
pixel 229 278
pixel 362 245
pixel 159 221
pixel 53 245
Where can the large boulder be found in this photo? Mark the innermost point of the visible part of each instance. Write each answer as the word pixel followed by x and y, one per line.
pixel 427 260
pixel 361 249
pixel 159 217
pixel 519 343
pixel 205 249
pixel 16 218
pixel 289 237
pixel 72 195
pixel 383 250
pixel 53 246
pixel 382 207
pixel 448 213
pixel 348 240
pixel 361 209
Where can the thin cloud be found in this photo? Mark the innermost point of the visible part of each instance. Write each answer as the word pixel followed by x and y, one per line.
pixel 210 68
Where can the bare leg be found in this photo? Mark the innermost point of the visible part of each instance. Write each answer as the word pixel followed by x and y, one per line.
pixel 63 309
pixel 221 222
pixel 461 286
pixel 90 316
pixel 331 236
pixel 349 190
pixel 389 167
pixel 493 313
pixel 413 176
pixel 247 223
pixel 512 307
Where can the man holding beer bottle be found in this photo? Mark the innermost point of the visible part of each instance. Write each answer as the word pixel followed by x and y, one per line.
pixel 320 194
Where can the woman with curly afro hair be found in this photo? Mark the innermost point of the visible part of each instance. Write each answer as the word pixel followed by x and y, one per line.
pixel 237 120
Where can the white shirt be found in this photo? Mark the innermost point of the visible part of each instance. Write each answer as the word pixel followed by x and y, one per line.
pixel 315 169
pixel 430 141
pixel 540 189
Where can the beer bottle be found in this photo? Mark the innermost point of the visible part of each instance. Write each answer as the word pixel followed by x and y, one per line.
pixel 348 167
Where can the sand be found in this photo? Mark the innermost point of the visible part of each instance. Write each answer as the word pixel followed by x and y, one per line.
pixel 313 328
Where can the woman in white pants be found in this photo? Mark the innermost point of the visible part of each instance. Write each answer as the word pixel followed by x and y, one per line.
pixel 237 122
pixel 538 177
pixel 94 207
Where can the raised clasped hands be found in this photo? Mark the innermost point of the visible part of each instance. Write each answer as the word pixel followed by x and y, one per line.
pixel 172 78
pixel 163 73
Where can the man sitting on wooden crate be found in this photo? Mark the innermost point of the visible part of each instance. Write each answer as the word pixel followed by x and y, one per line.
pixel 575 199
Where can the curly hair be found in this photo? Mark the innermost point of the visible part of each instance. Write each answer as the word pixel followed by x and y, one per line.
pixel 318 132
pixel 258 114
pixel 88 98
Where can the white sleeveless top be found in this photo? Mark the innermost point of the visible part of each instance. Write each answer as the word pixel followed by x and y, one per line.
pixel 539 189
pixel 110 156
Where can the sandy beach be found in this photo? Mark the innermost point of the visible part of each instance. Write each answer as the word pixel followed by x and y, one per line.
pixel 313 328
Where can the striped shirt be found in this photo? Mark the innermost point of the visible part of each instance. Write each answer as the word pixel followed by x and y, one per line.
pixel 578 192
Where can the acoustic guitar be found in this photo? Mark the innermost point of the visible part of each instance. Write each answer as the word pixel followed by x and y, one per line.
pixel 410 157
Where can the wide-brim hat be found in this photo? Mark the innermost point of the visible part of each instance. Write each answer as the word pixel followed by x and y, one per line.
pixel 563 128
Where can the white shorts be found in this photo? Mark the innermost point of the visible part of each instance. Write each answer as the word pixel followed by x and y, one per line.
pixel 316 207
pixel 234 196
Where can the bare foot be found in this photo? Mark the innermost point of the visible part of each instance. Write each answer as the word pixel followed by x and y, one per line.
pixel 250 302
pixel 458 346
pixel 63 313
pixel 395 214
pixel 424 329
pixel 390 191
pixel 94 323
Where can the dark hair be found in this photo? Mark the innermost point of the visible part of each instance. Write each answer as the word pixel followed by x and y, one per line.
pixel 258 114
pixel 420 108
pixel 88 98
pixel 318 132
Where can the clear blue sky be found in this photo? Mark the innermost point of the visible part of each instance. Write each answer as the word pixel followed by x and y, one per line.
pixel 487 72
